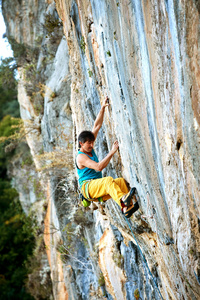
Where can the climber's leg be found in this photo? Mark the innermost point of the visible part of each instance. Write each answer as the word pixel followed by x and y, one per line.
pixel 121 182
pixel 107 188
pixel 123 186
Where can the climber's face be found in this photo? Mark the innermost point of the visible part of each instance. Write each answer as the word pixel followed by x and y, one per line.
pixel 87 146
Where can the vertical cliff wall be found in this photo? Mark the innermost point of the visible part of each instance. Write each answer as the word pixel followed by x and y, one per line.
pixel 145 56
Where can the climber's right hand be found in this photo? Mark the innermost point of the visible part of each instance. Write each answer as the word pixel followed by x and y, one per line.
pixel 106 102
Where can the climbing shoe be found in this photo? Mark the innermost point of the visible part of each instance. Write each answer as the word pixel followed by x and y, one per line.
pixel 126 199
pixel 131 209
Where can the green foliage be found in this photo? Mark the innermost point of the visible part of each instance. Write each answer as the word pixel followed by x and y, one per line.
pixel 118 259
pixel 30 71
pixel 16 244
pixel 27 160
pixel 83 44
pixel 6 130
pixel 137 294
pixel 7 74
pixel 16 238
pixel 108 53
pixel 101 280
pixel 8 103
pixel 70 237
pixel 53 95
pixel 22 52
pixel 51 24
pixel 37 187
pixel 8 88
pixel 7 194
pixel 19 49
pixel 7 126
pixel 90 73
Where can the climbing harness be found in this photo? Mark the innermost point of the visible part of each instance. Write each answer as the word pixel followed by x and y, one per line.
pixel 84 194
pixel 144 259
pixel 83 200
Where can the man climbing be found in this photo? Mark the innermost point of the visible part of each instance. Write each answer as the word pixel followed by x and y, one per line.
pixel 93 186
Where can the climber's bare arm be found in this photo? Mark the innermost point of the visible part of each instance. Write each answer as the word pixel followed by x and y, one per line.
pixel 84 161
pixel 99 119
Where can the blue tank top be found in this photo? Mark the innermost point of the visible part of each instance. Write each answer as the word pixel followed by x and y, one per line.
pixel 86 173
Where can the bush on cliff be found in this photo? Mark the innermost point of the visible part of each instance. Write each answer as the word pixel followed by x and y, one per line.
pixel 16 244
pixel 8 89
pixel 16 238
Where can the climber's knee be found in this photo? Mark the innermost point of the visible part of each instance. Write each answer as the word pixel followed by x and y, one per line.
pixel 109 179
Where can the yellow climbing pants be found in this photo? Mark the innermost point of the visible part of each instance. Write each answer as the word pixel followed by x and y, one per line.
pixel 107 188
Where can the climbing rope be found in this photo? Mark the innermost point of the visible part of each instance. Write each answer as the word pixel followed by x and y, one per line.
pixel 144 259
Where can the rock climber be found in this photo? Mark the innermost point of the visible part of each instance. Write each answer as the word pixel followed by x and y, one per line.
pixel 92 185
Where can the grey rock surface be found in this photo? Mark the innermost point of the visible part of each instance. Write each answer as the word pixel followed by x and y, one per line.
pixel 145 56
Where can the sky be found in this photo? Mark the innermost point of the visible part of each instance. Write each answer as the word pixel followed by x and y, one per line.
pixel 5 49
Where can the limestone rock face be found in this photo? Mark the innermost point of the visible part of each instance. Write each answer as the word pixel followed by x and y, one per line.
pixel 145 56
